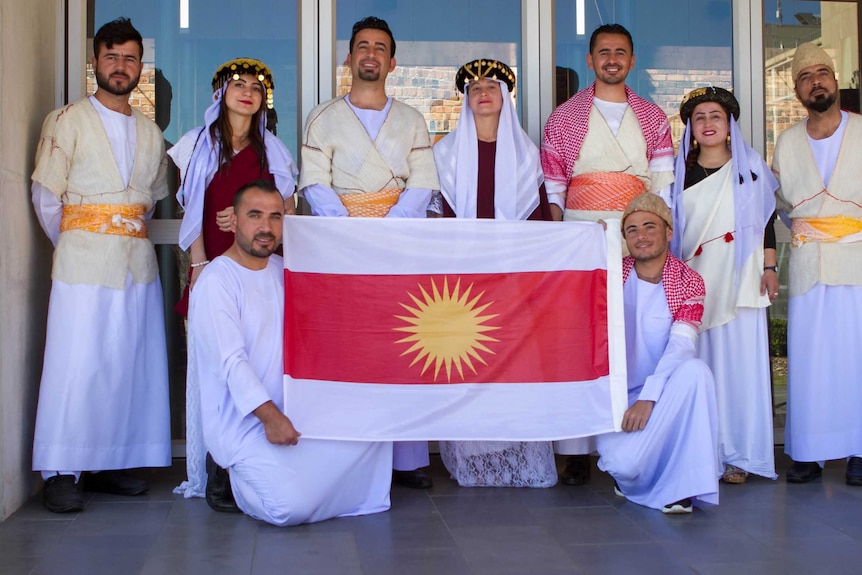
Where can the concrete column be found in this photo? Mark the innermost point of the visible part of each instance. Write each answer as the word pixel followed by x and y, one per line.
pixel 31 77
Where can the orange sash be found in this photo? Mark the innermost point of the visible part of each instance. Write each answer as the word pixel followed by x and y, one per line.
pixel 827 230
pixel 112 219
pixel 603 191
pixel 371 205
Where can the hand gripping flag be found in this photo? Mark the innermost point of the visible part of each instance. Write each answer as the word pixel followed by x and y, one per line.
pixel 404 329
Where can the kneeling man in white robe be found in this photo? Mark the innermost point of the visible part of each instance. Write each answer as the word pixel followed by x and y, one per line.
pixel 237 307
pixel 667 453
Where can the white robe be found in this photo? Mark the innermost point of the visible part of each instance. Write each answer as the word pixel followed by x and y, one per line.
pixel 824 395
pixel 734 342
pixel 103 398
pixel 676 455
pixel 237 315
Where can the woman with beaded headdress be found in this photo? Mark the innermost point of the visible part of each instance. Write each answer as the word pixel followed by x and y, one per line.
pixel 723 202
pixel 231 149
pixel 489 168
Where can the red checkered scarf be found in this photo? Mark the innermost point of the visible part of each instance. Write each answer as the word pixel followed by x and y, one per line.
pixel 683 288
pixel 567 127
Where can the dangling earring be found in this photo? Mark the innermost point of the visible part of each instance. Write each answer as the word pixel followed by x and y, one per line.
pixel 728 141
pixel 694 144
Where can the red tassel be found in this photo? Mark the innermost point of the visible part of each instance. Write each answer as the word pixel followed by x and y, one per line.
pixel 699 250
pixel 728 237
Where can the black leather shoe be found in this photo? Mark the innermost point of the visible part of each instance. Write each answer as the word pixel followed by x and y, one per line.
pixel 416 479
pixel 854 471
pixel 576 471
pixel 115 482
pixel 803 472
pixel 61 494
pixel 219 494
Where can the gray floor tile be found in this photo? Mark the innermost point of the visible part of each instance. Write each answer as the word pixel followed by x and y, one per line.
pixel 574 525
pixel 473 512
pixel 283 551
pixel 17 565
pixel 123 518
pixel 415 561
pixel 96 555
pixel 29 538
pixel 760 527
pixel 616 558
pixel 512 549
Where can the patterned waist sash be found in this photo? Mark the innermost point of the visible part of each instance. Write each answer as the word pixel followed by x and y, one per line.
pixel 827 230
pixel 371 205
pixel 603 191
pixel 112 219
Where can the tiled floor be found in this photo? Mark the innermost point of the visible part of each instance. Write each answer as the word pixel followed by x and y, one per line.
pixel 762 527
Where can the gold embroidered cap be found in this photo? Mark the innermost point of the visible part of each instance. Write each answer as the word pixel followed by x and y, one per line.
pixel 697 96
pixel 648 202
pixel 484 68
pixel 809 54
pixel 234 68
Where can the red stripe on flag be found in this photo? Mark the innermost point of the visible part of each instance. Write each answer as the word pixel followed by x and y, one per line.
pixel 467 328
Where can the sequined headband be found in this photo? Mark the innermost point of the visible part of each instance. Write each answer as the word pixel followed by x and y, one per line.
pixel 484 69
pixel 233 69
pixel 708 94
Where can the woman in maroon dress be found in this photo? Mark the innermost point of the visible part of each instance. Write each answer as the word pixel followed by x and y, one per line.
pixel 488 166
pixel 231 149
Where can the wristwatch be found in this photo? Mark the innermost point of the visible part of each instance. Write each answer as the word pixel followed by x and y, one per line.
pixel 773 268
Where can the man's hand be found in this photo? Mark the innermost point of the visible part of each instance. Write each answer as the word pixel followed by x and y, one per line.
pixel 556 213
pixel 636 417
pixel 279 429
pixel 223 219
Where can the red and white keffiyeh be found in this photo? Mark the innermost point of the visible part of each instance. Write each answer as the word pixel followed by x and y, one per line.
pixel 568 125
pixel 683 288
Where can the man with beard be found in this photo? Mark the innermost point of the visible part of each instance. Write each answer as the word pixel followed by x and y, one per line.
pixel 367 154
pixel 103 400
pixel 237 310
pixel 601 148
pixel 666 455
pixel 817 165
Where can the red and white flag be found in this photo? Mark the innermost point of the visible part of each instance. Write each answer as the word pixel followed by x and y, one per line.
pixel 404 329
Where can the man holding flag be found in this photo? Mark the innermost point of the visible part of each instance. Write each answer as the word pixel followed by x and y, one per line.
pixel 666 454
pixel 366 154
pixel 237 308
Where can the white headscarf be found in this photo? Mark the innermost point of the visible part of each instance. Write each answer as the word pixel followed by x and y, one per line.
pixel 203 164
pixel 753 200
pixel 517 168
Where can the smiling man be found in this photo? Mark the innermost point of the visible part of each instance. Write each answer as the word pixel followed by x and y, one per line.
pixel 367 154
pixel 237 310
pixel 818 168
pixel 103 400
pixel 666 455
pixel 601 148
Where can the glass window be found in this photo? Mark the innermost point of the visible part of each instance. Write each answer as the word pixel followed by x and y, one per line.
pixel 683 45
pixel 833 25
pixel 431 44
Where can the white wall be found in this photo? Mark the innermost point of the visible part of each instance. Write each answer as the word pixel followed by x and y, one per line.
pixel 30 42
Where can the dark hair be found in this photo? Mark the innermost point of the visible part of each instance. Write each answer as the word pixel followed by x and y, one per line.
pixel 117 31
pixel 222 133
pixel 261 184
pixel 373 23
pixel 611 29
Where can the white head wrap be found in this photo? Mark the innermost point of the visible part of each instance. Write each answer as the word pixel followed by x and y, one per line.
pixel 517 168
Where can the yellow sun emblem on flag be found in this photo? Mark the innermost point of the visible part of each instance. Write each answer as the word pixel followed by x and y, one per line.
pixel 447 328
